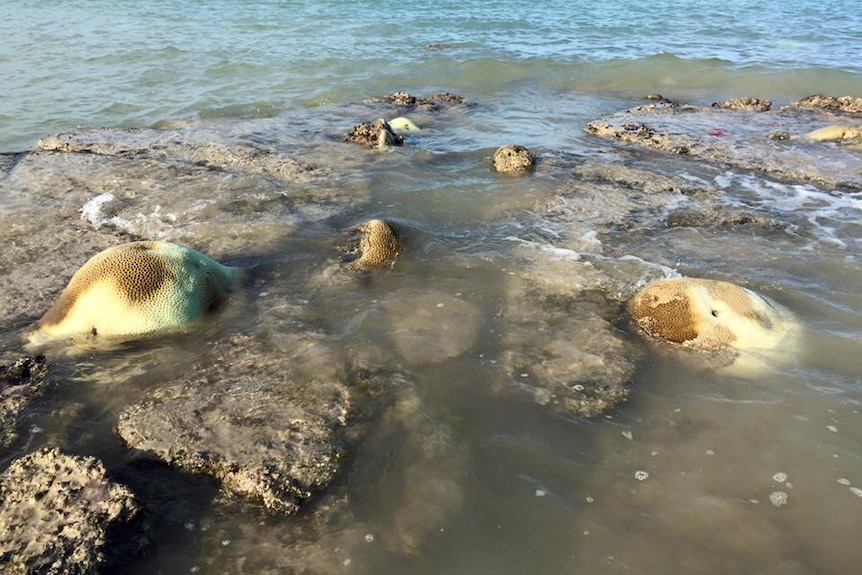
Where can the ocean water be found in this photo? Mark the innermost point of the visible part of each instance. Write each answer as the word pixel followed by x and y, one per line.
pixel 92 64
pixel 699 471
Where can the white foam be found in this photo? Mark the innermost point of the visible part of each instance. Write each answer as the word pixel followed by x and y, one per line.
pixel 91 211
pixel 824 212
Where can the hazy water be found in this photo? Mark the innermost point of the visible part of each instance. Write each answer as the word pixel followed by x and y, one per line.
pixel 537 492
pixel 94 64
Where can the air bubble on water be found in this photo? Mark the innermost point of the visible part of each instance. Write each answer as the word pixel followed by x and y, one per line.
pixel 578 387
pixel 832 428
pixel 36 429
pixel 844 481
pixel 590 499
pixel 586 532
pixel 525 375
pixel 856 491
pixel 778 498
pixel 541 492
pixel 441 305
pixel 628 434
pixel 654 452
pixel 641 475
pixel 710 452
pixel 780 477
pixel 347 562
pixel 225 542
pixel 369 538
pixel 189 526
pixel 194 569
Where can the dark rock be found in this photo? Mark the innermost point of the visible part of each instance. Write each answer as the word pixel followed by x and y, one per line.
pixel 376 134
pixel 19 384
pixel 779 135
pixel 430 104
pixel 59 514
pixel 745 103
pixel 820 102
pixel 513 159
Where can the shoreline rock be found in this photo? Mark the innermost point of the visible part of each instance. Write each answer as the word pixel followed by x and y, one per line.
pixel 20 383
pixel 747 134
pixel 60 514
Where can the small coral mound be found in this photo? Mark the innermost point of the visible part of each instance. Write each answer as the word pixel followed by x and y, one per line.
pixel 511 159
pixel 378 246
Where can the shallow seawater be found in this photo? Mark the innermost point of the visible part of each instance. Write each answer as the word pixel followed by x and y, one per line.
pixel 700 470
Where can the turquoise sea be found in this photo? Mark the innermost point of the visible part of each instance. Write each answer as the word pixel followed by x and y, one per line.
pixel 82 63
pixel 473 468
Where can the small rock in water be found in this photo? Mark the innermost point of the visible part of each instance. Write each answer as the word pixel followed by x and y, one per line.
pixel 778 498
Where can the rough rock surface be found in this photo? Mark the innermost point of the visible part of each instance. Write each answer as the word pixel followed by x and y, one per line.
pixel 377 134
pixel 747 103
pixel 429 104
pixel 158 144
pixel 20 382
pixel 563 350
pixel 511 159
pixel 746 139
pixel 820 102
pixel 59 514
pixel 267 431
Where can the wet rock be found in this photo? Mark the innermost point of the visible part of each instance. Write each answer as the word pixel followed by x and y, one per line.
pixel 736 137
pixel 20 382
pixel 689 218
pixel 512 159
pixel 821 102
pixel 376 246
pixel 377 134
pixel 265 427
pixel 59 514
pixel 746 103
pixel 180 145
pixel 779 135
pixel 429 104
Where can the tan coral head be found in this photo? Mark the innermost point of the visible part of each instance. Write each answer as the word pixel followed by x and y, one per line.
pixel 379 245
pixel 710 315
pixel 137 289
